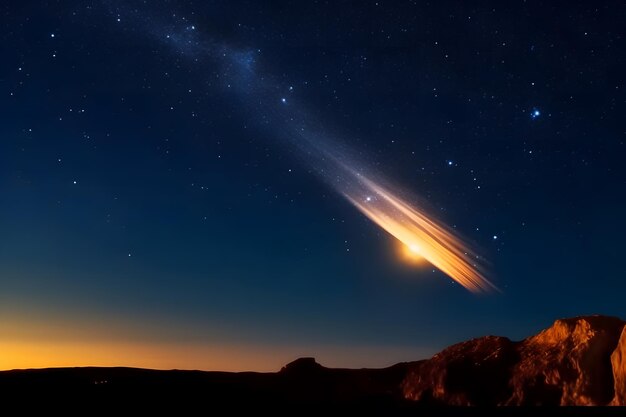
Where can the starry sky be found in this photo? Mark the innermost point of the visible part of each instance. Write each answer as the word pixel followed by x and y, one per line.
pixel 162 204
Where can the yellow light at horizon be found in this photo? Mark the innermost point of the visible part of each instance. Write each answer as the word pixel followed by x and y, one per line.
pixel 46 339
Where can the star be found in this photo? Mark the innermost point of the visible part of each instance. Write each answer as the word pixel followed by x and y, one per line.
pixel 535 114
pixel 284 100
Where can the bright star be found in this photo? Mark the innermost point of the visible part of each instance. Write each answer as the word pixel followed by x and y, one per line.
pixel 535 113
pixel 284 100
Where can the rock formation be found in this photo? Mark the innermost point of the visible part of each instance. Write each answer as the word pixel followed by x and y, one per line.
pixel 577 361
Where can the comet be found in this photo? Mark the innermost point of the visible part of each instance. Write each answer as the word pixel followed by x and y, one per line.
pixel 419 232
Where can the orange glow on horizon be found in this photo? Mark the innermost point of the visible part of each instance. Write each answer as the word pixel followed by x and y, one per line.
pixel 47 340
pixel 54 354
pixel 207 357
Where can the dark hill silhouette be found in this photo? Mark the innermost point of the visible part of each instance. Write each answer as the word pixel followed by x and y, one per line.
pixel 576 361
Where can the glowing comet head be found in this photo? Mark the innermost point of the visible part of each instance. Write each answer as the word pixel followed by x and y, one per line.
pixel 422 237
pixel 411 254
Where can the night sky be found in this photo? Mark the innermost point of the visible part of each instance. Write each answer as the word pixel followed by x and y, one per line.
pixel 163 202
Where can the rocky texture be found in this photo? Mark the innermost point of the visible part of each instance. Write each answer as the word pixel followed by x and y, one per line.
pixel 475 372
pixel 618 363
pixel 568 363
pixel 577 361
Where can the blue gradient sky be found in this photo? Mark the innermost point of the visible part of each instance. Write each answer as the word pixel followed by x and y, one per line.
pixel 118 140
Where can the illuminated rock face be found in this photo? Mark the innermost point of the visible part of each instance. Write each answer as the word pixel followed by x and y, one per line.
pixel 618 363
pixel 568 363
pixel 475 372
pixel 577 361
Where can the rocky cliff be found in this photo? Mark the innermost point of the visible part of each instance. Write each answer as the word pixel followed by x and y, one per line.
pixel 576 361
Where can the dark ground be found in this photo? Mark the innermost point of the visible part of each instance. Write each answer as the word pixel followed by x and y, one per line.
pixel 302 387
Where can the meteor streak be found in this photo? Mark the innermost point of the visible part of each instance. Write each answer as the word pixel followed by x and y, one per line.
pixel 420 233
